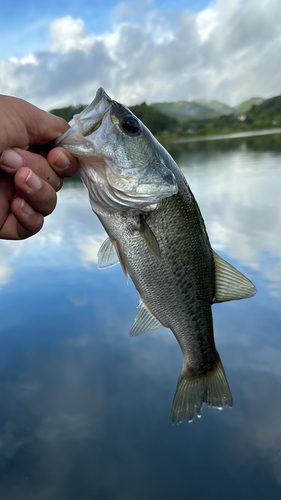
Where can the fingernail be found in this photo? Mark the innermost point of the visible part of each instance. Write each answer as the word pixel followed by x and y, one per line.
pixel 11 159
pixel 61 161
pixel 25 208
pixel 33 181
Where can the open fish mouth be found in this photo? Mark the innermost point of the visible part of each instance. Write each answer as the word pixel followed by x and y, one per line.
pixel 85 123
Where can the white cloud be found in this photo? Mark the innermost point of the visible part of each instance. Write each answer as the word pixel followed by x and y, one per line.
pixel 68 34
pixel 206 21
pixel 30 59
pixel 229 51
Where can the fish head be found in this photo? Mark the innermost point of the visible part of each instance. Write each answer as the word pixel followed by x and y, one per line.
pixel 120 161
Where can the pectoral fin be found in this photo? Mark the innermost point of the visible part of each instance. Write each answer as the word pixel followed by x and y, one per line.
pixel 149 238
pixel 144 321
pixel 107 255
pixel 230 283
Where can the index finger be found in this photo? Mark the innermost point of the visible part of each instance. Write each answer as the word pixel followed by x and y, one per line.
pixel 62 162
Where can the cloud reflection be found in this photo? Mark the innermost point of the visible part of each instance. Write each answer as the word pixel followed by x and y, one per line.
pixel 260 433
pixel 89 248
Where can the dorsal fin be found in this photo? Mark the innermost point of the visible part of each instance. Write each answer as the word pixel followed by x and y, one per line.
pixel 107 255
pixel 144 321
pixel 149 238
pixel 230 283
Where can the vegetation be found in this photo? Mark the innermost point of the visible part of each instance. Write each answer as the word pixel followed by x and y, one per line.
pixel 263 114
pixel 68 112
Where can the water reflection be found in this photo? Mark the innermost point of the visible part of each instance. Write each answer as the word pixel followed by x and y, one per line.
pixel 84 409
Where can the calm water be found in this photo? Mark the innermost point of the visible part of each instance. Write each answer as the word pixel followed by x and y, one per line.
pixel 85 409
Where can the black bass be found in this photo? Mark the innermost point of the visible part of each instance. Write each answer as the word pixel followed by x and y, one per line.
pixel 157 233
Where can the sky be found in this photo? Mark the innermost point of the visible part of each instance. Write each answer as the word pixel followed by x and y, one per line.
pixel 58 53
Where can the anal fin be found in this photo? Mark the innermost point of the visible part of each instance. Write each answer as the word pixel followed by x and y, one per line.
pixel 144 321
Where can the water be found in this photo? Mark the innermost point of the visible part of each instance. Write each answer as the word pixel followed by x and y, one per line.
pixel 85 409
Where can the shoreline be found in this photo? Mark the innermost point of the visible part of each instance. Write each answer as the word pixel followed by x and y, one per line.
pixel 234 135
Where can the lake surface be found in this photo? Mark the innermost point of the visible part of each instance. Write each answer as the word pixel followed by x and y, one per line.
pixel 85 409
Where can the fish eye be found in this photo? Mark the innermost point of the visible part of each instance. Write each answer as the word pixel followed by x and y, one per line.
pixel 130 125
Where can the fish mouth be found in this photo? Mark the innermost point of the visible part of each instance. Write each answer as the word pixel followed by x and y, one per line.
pixel 87 122
pixel 91 117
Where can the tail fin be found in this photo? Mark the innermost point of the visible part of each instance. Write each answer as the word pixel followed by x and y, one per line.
pixel 211 388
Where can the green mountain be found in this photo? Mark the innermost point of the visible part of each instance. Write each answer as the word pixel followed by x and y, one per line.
pixel 184 111
pixel 246 105
pixel 218 107
pixel 203 109
pixel 267 113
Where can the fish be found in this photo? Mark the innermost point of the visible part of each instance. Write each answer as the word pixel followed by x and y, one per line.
pixel 156 231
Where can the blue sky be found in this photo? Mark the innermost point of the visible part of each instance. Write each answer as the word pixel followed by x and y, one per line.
pixel 25 30
pixel 59 53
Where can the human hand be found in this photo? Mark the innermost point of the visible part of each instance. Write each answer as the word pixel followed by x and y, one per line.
pixel 29 181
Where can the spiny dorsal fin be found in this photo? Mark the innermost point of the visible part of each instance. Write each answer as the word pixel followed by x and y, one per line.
pixel 144 321
pixel 107 255
pixel 230 283
pixel 149 238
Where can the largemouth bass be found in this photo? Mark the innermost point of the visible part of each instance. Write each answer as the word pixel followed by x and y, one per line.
pixel 157 233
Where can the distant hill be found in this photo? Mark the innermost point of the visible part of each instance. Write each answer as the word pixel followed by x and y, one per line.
pixel 246 105
pixel 184 111
pixel 267 113
pixel 218 107
pixel 274 103
pixel 202 109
